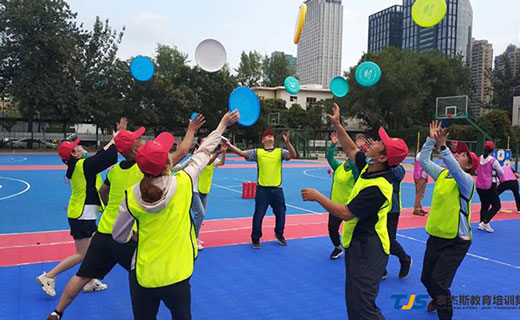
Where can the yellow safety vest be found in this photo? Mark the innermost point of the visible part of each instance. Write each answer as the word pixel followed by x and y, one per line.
pixel 443 220
pixel 166 246
pixel 381 228
pixel 269 167
pixel 78 184
pixel 205 179
pixel 342 185
pixel 120 180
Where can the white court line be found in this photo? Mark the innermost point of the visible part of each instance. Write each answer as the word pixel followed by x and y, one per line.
pixel 287 205
pixel 305 172
pixel 265 225
pixel 38 245
pixel 13 159
pixel 28 186
pixel 468 254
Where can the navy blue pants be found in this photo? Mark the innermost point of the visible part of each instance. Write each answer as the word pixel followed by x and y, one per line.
pixel 268 196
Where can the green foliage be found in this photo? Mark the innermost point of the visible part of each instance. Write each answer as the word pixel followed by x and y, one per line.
pixel 249 72
pixel 407 91
pixel 276 69
pixel 503 87
pixel 497 123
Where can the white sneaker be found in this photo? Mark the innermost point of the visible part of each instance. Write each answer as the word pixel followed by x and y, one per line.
pixel 94 285
pixel 201 242
pixel 487 227
pixel 481 226
pixel 200 247
pixel 47 284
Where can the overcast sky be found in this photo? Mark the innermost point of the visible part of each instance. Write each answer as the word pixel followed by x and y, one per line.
pixel 263 25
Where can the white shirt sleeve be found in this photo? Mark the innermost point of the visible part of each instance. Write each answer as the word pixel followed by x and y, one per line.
pixel 201 157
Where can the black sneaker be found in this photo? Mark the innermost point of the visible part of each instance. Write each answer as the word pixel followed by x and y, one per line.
pixel 384 275
pixel 431 307
pixel 404 272
pixel 256 244
pixel 336 253
pixel 281 239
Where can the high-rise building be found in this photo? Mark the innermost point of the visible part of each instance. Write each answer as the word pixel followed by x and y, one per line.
pixel 481 65
pixel 512 55
pixel 451 36
pixel 319 49
pixel 385 28
pixel 290 58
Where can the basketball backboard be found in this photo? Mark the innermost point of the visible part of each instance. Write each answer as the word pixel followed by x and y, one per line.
pixel 452 107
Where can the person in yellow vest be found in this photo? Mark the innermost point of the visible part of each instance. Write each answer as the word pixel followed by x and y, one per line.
pixel 269 190
pixel 202 186
pixel 449 220
pixel 365 234
pixel 166 242
pixel 84 203
pixel 104 253
pixel 343 179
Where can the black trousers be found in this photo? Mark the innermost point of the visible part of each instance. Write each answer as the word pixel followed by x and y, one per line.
pixel 265 197
pixel 365 263
pixel 441 261
pixel 334 223
pixel 513 186
pixel 145 301
pixel 488 198
pixel 395 247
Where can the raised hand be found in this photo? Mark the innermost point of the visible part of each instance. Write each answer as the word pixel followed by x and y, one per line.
pixel 441 136
pixel 197 123
pixel 287 137
pixel 334 117
pixel 230 118
pixel 369 143
pixel 334 137
pixel 435 126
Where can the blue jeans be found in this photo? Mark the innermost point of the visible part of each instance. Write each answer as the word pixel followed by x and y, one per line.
pixel 199 205
pixel 268 196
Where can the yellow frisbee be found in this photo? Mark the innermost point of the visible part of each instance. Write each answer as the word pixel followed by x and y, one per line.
pixel 300 21
pixel 428 13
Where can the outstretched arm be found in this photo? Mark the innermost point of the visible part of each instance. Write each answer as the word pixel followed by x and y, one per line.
pixel 344 139
pixel 292 151
pixel 184 147
pixel 237 151
pixel 335 209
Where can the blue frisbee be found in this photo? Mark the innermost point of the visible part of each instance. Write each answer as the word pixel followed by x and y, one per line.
pixel 339 86
pixel 368 74
pixel 246 101
pixel 292 85
pixel 193 115
pixel 142 68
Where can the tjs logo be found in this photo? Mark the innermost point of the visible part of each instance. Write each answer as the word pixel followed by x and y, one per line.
pixel 415 302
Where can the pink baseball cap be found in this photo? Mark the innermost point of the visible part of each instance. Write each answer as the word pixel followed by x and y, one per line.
pixel 396 148
pixel 66 147
pixel 152 157
pixel 125 139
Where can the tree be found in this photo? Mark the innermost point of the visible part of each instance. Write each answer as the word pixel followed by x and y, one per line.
pixel 406 94
pixel 100 99
pixel 249 72
pixel 504 83
pixel 39 57
pixel 276 69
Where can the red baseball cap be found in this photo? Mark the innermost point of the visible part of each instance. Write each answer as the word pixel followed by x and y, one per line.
pixel 454 142
pixel 152 157
pixel 475 160
pixel 66 147
pixel 125 139
pixel 268 132
pixel 489 145
pixel 396 149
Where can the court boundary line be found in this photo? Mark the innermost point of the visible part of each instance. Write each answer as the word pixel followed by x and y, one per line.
pixel 28 186
pixel 468 254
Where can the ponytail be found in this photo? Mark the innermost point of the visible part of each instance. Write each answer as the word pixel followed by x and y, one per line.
pixel 149 192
